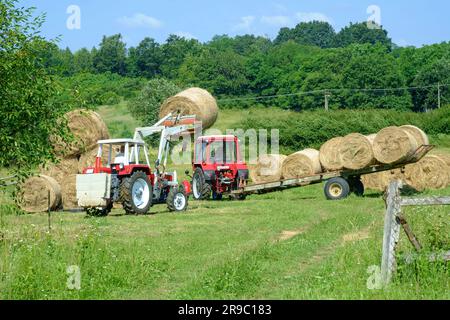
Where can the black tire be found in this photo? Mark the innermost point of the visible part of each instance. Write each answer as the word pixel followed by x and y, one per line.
pixel 174 203
pixel 99 212
pixel 357 187
pixel 217 196
pixel 126 194
pixel 337 189
pixel 201 190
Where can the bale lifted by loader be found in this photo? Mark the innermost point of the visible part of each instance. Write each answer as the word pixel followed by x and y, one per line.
pixel 131 181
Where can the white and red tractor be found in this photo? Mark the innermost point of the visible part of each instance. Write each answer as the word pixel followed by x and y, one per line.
pixel 127 177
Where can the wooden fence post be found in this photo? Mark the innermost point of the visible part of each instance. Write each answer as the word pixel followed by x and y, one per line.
pixel 391 231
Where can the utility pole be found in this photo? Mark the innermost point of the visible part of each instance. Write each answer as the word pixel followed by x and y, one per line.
pixel 439 95
pixel 327 95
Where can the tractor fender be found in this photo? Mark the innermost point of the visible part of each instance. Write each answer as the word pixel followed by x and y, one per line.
pixel 187 187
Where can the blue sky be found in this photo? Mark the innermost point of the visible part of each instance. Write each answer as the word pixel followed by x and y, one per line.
pixel 408 22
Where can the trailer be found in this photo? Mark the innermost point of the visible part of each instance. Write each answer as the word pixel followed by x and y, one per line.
pixel 339 184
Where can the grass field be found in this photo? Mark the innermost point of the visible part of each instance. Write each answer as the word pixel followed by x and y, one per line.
pixel 290 245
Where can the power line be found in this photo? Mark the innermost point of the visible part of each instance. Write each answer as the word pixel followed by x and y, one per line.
pixel 324 91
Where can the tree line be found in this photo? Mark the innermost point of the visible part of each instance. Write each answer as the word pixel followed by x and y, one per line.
pixel 311 57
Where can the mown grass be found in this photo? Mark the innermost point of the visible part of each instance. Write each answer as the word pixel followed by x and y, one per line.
pixel 290 245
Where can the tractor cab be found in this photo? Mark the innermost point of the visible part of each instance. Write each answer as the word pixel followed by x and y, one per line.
pixel 218 167
pixel 121 157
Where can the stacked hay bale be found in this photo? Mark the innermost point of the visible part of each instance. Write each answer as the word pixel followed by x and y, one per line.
pixel 268 168
pixel 87 128
pixel 356 151
pixel 301 164
pixel 193 101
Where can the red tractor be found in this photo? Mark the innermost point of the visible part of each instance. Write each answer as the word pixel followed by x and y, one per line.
pixel 127 177
pixel 218 168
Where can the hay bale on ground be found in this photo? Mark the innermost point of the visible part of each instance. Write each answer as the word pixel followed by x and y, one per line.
pixel 69 193
pixel 418 134
pixel 394 145
pixel 193 101
pixel 87 128
pixel 330 155
pixel 34 194
pixel 301 164
pixel 429 173
pixel 88 159
pixel 356 152
pixel 61 170
pixel 268 168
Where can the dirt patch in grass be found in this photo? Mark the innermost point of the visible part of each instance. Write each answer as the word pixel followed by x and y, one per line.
pixel 356 236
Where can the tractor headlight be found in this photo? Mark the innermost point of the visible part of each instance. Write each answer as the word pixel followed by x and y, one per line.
pixel 122 166
pixel 89 171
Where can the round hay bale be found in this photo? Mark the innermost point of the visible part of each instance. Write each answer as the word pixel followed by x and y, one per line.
pixel 69 193
pixel 356 152
pixel 418 134
pixel 301 164
pixel 268 168
pixel 429 173
pixel 394 145
pixel 61 170
pixel 88 159
pixel 330 154
pixel 87 128
pixel 34 194
pixel 193 101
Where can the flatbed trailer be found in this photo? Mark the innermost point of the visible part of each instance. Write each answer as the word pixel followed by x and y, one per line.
pixel 339 183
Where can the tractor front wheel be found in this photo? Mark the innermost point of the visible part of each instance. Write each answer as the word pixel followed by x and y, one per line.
pixel 136 193
pixel 201 190
pixel 177 200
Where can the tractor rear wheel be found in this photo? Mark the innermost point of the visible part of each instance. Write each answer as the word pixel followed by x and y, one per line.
pixel 177 200
pixel 201 190
pixel 136 193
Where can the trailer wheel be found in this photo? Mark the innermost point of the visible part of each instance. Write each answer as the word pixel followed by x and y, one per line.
pixel 201 190
pixel 177 200
pixel 337 189
pixel 136 193
pixel 357 187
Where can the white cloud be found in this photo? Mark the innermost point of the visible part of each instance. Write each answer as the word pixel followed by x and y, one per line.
pixel 140 20
pixel 279 21
pixel 245 23
pixel 185 35
pixel 313 16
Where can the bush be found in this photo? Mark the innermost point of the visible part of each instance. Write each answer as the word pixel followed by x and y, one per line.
pixel 145 107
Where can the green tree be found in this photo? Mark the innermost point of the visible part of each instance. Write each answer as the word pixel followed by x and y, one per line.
pixel 174 52
pixel 315 33
pixel 145 107
pixel 429 77
pixel 111 56
pixel 145 60
pixel 30 114
pixel 82 60
pixel 221 72
pixel 359 33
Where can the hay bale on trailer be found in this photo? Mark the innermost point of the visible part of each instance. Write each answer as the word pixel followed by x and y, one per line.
pixel 356 151
pixel 330 155
pixel 34 194
pixel 301 164
pixel 268 168
pixel 87 128
pixel 394 145
pixel 193 101
pixel 420 136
